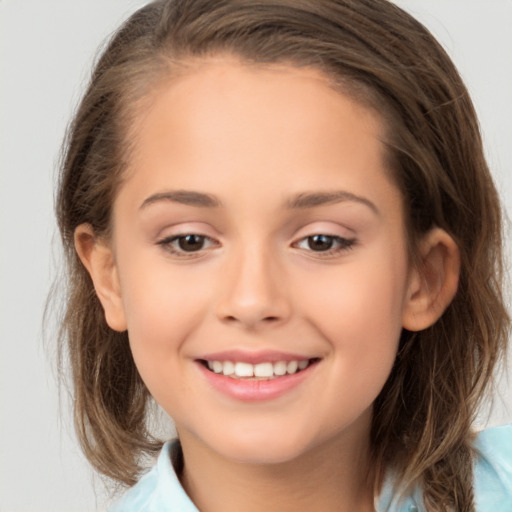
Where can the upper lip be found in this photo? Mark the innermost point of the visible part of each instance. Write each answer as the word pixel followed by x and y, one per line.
pixel 262 356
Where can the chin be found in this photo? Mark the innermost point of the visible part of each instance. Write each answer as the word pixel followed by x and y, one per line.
pixel 262 448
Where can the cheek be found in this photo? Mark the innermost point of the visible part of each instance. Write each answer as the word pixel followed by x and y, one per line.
pixel 162 309
pixel 163 312
pixel 358 309
pixel 365 299
pixel 361 320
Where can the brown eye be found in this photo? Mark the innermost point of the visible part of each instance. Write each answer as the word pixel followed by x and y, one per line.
pixel 191 243
pixel 325 245
pixel 188 244
pixel 320 242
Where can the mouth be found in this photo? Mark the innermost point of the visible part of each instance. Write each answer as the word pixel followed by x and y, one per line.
pixel 263 371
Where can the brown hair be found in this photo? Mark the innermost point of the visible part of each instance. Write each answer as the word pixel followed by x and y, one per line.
pixel 382 56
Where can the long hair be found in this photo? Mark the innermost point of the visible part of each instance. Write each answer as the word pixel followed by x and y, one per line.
pixel 383 58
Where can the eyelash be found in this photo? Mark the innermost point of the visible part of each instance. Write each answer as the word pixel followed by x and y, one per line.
pixel 343 245
pixel 167 244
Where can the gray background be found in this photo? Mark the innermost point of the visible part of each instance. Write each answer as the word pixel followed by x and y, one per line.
pixel 46 50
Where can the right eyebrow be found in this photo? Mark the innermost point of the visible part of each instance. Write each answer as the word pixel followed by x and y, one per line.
pixel 188 197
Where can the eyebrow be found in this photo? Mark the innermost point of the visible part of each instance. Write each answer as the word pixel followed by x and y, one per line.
pixel 300 201
pixel 312 199
pixel 188 197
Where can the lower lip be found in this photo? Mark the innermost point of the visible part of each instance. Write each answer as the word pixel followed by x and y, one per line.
pixel 256 390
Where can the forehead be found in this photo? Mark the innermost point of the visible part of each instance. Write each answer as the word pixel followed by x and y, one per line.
pixel 204 85
pixel 222 121
pixel 205 94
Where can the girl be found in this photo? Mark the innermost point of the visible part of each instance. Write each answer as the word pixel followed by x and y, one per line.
pixel 280 226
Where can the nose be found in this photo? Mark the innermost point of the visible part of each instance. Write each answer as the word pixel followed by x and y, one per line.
pixel 254 291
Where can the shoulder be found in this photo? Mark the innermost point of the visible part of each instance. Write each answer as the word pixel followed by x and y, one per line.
pixel 492 477
pixel 493 470
pixel 160 489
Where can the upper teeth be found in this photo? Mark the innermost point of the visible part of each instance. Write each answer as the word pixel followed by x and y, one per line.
pixel 240 369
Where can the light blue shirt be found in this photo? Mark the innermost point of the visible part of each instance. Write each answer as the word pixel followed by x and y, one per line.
pixel 160 489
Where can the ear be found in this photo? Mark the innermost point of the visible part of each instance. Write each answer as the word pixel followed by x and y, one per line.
pixel 433 282
pixel 98 258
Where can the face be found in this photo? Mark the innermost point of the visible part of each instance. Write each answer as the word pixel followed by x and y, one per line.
pixel 261 260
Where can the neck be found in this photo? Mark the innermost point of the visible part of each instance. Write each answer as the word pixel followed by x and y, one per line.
pixel 331 477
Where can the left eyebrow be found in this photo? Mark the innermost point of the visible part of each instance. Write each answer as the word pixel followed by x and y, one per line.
pixel 312 199
pixel 188 197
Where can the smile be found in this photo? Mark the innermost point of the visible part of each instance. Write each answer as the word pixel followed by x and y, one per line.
pixel 261 381
pixel 261 371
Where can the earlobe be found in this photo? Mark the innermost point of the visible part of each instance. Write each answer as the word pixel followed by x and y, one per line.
pixel 433 285
pixel 97 257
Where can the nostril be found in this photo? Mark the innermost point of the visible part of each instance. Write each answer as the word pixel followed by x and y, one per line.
pixel 250 313
pixel 267 319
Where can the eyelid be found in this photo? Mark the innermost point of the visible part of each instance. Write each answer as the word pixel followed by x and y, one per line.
pixel 166 244
pixel 345 244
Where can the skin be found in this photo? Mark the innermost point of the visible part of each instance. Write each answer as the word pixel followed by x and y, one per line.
pixel 255 138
